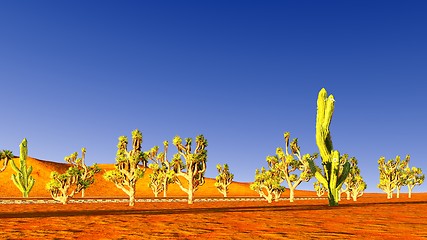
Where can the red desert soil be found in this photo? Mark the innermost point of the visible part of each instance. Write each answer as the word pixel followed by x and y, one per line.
pixel 371 217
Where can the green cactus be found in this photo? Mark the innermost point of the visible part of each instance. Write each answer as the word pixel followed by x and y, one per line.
pixel 333 174
pixel 22 179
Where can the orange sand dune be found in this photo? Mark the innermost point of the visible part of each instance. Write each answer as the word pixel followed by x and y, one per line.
pixel 103 188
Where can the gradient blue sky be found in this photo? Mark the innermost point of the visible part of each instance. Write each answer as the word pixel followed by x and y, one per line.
pixel 82 73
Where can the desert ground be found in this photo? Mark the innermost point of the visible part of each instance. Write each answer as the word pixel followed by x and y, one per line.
pixel 371 217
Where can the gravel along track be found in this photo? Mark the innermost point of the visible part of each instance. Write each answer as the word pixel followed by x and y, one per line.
pixel 124 200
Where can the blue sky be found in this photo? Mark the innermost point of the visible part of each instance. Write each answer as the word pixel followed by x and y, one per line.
pixel 81 74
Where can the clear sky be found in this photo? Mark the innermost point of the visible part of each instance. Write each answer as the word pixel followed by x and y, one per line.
pixel 82 73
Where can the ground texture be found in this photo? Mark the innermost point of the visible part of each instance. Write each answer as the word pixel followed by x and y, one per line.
pixel 372 217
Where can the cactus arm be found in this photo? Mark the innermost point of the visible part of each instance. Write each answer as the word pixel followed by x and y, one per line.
pixel 14 167
pixel 344 174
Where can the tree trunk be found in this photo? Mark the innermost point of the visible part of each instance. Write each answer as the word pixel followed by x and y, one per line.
pixel 165 188
pixel 355 196
pixel 132 196
pixel 83 193
pixel 409 192
pixel 348 195
pixel 190 190
pixel 291 195
pixel 389 194
pixel 398 192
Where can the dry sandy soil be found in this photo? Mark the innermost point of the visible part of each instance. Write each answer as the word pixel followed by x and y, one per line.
pixel 371 217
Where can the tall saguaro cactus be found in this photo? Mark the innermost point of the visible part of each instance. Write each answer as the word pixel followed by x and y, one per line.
pixel 333 175
pixel 22 179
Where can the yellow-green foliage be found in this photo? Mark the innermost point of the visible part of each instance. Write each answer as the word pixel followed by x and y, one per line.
pixel 129 167
pixel 289 162
pixel 391 175
pixel 77 178
pixel 319 188
pixel 413 176
pixel 193 171
pixel 22 180
pixel 223 179
pixel 333 174
pixel 354 182
pixel 161 175
pixel 267 184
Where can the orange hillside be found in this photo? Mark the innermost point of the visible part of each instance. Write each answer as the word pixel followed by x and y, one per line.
pixel 102 188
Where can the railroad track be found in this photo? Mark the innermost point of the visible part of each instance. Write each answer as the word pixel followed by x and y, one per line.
pixel 158 200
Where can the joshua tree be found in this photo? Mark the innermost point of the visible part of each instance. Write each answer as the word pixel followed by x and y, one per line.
pixel 87 177
pixel 319 188
pixel 401 177
pixel 129 166
pixel 162 174
pixel 5 157
pixel 22 179
pixel 267 184
pixel 193 170
pixel 391 174
pixel 74 180
pixel 354 183
pixel 224 179
pixel 413 176
pixel 289 162
pixel 333 175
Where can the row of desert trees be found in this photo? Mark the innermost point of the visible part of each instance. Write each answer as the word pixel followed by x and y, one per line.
pixel 129 168
pixel 396 173
pixel 188 166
